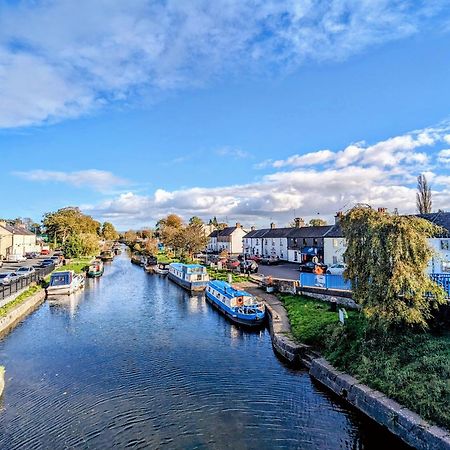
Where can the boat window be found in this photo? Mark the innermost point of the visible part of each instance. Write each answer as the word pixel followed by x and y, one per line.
pixel 60 279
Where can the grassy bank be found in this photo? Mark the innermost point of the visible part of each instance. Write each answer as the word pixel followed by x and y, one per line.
pixel 78 265
pixel 412 368
pixel 4 310
pixel 223 275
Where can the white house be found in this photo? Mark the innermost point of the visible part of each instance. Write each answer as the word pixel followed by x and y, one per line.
pixel 335 246
pixel 229 240
pixel 267 242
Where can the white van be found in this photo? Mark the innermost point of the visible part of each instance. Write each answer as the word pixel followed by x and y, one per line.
pixel 15 258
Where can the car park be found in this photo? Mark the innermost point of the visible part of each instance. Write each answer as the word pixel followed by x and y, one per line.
pixel 336 269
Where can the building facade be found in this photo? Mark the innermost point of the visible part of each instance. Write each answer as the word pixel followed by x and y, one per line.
pixel 229 239
pixel 16 240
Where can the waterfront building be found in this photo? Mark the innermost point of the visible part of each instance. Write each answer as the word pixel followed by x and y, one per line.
pixel 16 240
pixel 228 239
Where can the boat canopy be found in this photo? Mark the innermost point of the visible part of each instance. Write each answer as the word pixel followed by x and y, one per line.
pixel 60 278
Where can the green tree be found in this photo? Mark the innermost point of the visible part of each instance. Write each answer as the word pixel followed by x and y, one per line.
pixel 387 257
pixel 109 232
pixel 77 245
pixel 195 220
pixel 423 195
pixel 317 222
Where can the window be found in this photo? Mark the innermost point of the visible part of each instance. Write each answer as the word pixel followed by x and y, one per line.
pixel 265 241
pixel 444 244
pixel 335 243
pixel 257 242
pixel 445 266
pixel 304 241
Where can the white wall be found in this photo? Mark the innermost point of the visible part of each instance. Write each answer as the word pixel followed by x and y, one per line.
pixel 440 263
pixel 236 240
pixel 333 250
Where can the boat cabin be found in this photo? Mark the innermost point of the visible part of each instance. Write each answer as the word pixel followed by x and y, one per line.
pixel 189 272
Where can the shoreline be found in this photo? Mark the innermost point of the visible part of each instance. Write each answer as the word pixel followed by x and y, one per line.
pixel 399 420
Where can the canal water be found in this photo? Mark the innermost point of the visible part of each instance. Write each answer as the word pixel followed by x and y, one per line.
pixel 134 361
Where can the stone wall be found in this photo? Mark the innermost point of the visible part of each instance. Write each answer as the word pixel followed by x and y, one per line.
pixel 404 423
pixel 329 296
pixel 14 316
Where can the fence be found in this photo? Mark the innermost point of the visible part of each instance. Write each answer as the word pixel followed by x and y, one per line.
pixel 17 285
pixel 325 281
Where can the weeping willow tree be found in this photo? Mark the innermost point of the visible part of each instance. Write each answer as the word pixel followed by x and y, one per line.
pixel 387 258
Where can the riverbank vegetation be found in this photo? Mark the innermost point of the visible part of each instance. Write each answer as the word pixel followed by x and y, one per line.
pixel 410 366
pixel 77 234
pixel 222 275
pixel 396 343
pixel 78 265
pixel 4 310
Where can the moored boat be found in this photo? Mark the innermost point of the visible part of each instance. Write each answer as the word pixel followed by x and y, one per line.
pixel 193 277
pixel 107 255
pixel 65 283
pixel 138 259
pixel 239 306
pixel 161 269
pixel 96 269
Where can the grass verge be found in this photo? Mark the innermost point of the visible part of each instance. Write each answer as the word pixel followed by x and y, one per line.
pixel 18 300
pixel 223 275
pixel 410 367
pixel 78 265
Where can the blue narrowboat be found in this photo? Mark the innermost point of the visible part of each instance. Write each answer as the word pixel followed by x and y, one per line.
pixel 193 277
pixel 239 306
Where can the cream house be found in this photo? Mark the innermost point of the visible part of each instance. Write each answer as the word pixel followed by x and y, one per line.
pixel 16 240
pixel 229 240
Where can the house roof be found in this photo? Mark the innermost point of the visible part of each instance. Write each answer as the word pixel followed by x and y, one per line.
pixel 17 230
pixel 214 233
pixel 441 219
pixel 335 232
pixel 310 232
pixel 228 231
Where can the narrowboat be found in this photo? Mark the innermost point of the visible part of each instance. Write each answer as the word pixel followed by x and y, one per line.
pixel 239 306
pixel 107 255
pixel 138 259
pixel 192 277
pixel 96 269
pixel 65 283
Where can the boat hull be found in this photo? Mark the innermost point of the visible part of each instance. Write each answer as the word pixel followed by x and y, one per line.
pixel 252 322
pixel 193 286
pixel 95 274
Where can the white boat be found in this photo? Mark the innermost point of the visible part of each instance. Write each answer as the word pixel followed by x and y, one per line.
pixel 161 269
pixel 65 283
pixel 193 277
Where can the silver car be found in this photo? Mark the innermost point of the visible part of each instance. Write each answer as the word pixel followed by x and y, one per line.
pixel 8 277
pixel 25 271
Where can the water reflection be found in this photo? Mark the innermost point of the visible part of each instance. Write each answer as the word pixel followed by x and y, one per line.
pixel 136 361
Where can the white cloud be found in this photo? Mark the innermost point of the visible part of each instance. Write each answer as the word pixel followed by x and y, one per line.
pixel 232 152
pixel 444 156
pixel 308 159
pixel 92 179
pixel 64 58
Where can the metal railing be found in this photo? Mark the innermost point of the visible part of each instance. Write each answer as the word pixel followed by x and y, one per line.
pixel 444 280
pixel 325 281
pixel 21 283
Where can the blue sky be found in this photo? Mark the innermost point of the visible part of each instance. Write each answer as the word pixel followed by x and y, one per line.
pixel 250 111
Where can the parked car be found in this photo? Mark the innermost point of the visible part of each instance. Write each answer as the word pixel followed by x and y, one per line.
pixel 310 266
pixel 336 269
pixel 7 277
pixel 233 264
pixel 249 266
pixel 25 271
pixel 269 261
pixel 45 263
pixel 56 260
pixel 15 258
pixel 45 251
pixel 31 255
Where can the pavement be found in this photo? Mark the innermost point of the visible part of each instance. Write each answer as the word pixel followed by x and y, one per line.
pixel 286 271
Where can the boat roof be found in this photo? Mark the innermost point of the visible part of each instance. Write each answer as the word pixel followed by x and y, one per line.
pixel 179 266
pixel 63 272
pixel 226 289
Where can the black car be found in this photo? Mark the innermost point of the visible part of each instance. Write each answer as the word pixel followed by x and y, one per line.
pixel 249 266
pixel 310 266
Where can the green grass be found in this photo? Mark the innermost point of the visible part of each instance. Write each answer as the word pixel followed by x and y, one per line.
pixel 4 310
pixel 410 367
pixel 78 265
pixel 223 275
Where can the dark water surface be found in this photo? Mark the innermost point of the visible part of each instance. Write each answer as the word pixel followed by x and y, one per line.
pixel 134 361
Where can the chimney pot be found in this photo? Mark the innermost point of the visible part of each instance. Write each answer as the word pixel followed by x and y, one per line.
pixel 253 228
pixel 272 225
pixel 238 225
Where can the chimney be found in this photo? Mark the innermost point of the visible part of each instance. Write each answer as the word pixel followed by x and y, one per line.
pixel 272 225
pixel 253 228
pixel 382 210
pixel 238 225
pixel 299 222
pixel 2 223
pixel 338 217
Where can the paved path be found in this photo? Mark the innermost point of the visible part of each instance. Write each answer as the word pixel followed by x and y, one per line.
pixel 286 271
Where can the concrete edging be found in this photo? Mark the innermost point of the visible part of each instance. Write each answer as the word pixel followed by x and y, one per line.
pixel 8 322
pixel 401 421
pixel 2 380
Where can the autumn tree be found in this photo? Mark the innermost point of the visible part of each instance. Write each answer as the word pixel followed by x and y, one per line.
pixel 387 257
pixel 194 239
pixel 130 236
pixel 109 233
pixel 423 195
pixel 317 222
pixel 68 222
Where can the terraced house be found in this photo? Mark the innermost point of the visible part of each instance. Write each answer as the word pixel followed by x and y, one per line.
pixel 16 240
pixel 227 240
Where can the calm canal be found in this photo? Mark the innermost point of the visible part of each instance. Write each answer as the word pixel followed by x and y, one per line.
pixel 134 361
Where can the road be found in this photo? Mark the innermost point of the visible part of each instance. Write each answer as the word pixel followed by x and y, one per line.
pixel 288 271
